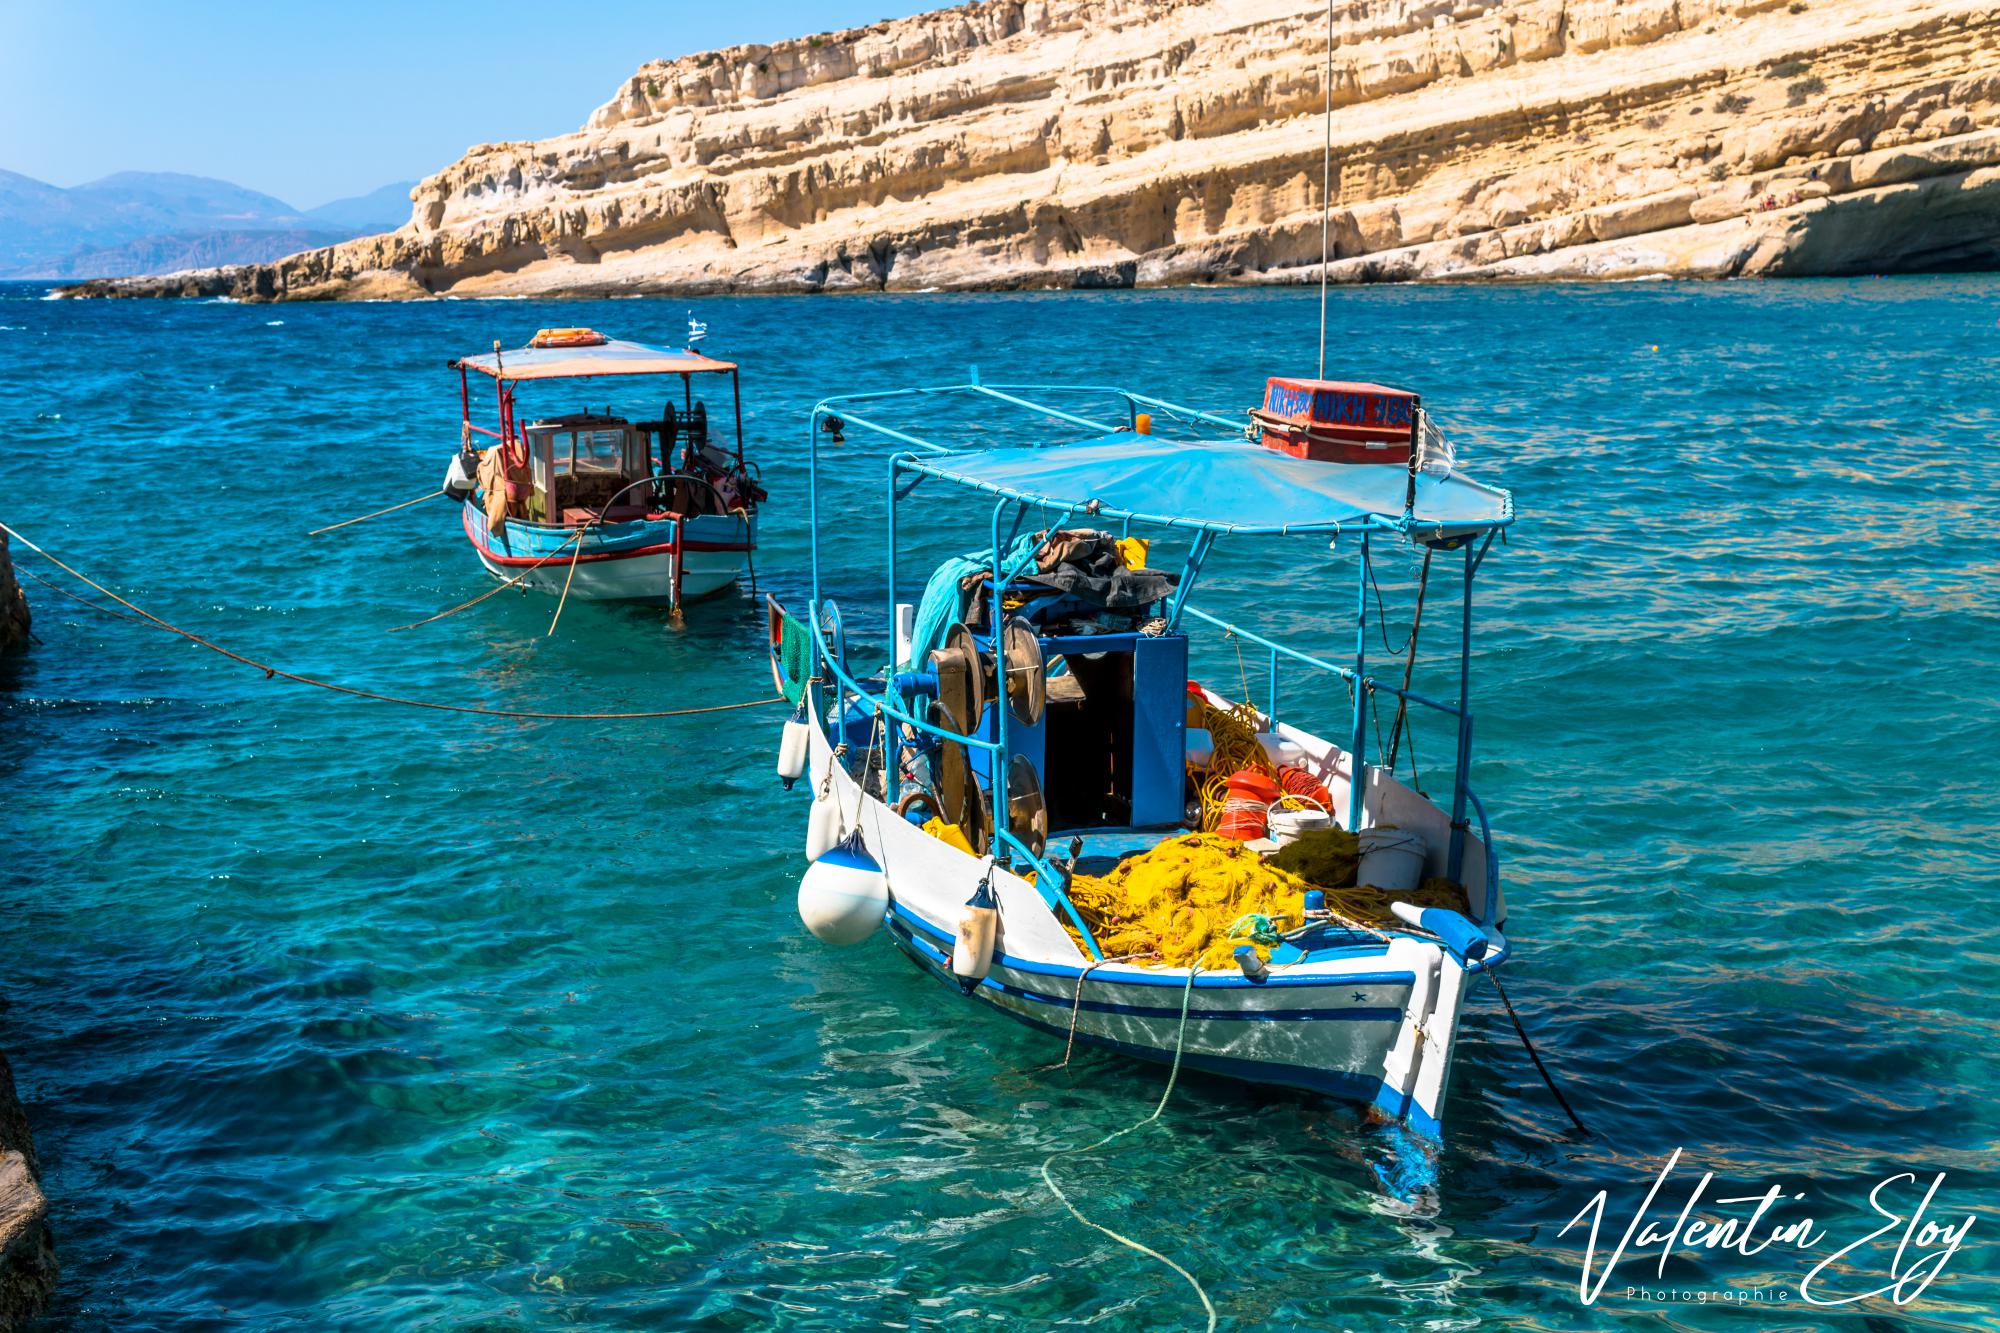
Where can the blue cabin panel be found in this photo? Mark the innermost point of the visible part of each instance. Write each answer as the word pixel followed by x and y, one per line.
pixel 1159 730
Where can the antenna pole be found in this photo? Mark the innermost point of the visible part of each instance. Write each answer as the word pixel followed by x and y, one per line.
pixel 1326 191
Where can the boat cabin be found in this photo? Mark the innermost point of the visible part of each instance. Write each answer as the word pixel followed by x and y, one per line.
pixel 585 462
pixel 591 465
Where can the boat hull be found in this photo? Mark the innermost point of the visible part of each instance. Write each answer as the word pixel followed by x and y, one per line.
pixel 658 562
pixel 1331 1037
pixel 1374 1025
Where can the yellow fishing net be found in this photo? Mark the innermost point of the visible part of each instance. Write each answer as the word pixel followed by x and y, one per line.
pixel 1181 899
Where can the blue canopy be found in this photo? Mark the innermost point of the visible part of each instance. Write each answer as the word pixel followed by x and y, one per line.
pixel 1222 486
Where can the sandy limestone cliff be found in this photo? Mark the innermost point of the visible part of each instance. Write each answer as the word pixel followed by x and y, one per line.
pixel 1121 142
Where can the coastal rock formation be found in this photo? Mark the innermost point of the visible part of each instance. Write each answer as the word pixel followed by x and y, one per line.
pixel 27 1249
pixel 1080 143
pixel 14 619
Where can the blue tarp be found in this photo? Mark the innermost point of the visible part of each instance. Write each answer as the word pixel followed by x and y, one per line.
pixel 1225 485
pixel 943 604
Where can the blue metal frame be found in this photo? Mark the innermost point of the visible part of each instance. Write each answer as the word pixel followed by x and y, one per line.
pixel 912 460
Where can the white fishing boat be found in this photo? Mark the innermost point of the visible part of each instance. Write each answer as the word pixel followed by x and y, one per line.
pixel 595 503
pixel 1069 678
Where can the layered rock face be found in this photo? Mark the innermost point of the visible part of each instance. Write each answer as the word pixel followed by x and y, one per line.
pixel 1135 142
pixel 27 1250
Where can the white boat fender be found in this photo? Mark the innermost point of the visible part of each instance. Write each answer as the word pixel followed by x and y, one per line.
pixel 461 475
pixel 824 827
pixel 792 748
pixel 972 953
pixel 844 895
pixel 1253 966
pixel 1466 941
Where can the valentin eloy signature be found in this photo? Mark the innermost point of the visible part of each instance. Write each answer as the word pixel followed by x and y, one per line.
pixel 1922 1250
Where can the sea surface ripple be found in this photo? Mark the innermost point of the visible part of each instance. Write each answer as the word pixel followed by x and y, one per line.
pixel 335 1013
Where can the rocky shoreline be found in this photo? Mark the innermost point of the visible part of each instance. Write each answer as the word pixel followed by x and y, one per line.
pixel 15 621
pixel 1121 143
pixel 27 1246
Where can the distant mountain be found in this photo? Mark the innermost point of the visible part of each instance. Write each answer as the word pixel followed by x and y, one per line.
pixel 171 252
pixel 140 222
pixel 367 214
pixel 154 199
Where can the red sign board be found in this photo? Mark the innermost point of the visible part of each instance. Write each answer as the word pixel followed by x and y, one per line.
pixel 1337 421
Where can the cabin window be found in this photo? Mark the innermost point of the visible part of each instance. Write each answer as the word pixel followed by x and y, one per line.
pixel 585 463
pixel 594 451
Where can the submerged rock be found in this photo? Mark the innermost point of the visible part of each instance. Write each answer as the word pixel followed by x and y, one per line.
pixel 27 1246
pixel 14 619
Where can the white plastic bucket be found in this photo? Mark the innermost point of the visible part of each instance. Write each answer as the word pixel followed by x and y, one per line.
pixel 1391 859
pixel 1285 826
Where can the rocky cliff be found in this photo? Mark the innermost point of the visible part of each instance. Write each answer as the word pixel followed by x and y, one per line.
pixel 1122 142
pixel 14 618
pixel 27 1250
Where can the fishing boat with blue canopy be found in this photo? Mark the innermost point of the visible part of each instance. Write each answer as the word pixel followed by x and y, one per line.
pixel 605 503
pixel 1037 798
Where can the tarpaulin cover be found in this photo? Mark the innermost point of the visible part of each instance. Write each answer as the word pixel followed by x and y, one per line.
pixel 1224 485
pixel 611 358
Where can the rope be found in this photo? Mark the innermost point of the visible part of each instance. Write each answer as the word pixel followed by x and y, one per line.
pixel 574 556
pixel 1258 928
pixel 1540 1068
pixel 271 671
pixel 1173 1075
pixel 427 495
pixel 1409 667
pixel 81 601
pixel 1381 612
pixel 680 529
pixel 1076 999
pixel 491 592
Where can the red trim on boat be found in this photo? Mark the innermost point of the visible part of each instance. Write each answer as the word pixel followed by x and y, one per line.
pixel 477 534
pixel 588 557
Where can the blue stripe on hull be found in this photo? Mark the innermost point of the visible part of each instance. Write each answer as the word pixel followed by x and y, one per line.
pixel 1351 1014
pixel 524 539
pixel 1358 1089
pixel 1208 980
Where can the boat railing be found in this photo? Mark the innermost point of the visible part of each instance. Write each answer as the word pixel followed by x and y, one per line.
pixel 1048 880
pixel 1278 650
pixel 1013 395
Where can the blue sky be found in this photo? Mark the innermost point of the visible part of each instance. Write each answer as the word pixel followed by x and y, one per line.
pixel 312 102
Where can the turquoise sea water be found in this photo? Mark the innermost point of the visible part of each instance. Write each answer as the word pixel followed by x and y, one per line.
pixel 331 1013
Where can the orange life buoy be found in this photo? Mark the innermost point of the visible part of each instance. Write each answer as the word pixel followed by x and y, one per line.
pixel 567 338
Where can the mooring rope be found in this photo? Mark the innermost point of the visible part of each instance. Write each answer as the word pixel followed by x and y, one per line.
pixel 1173 1075
pixel 1540 1068
pixel 1076 998
pixel 271 671
pixel 471 602
pixel 428 495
